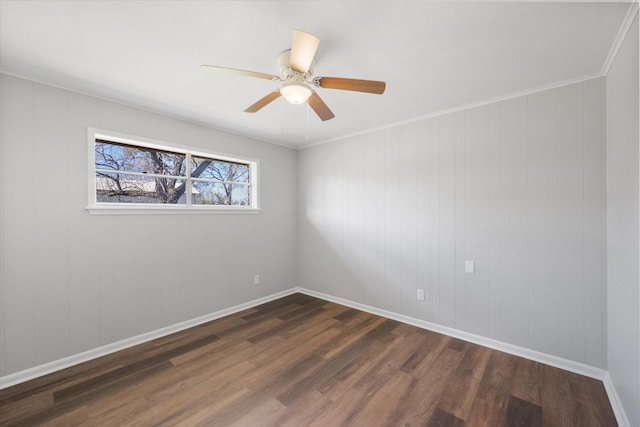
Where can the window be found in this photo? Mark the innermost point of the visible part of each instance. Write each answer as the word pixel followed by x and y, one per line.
pixel 136 174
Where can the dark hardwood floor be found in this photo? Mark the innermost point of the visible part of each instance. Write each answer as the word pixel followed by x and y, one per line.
pixel 301 361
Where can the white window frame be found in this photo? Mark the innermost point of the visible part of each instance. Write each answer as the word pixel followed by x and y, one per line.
pixel 188 208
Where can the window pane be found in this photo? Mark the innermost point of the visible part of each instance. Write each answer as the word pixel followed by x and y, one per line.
pixel 202 167
pixel 122 157
pixel 150 174
pixel 211 193
pixel 123 188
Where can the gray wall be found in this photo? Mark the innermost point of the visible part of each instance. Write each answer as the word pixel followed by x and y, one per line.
pixel 517 186
pixel 71 281
pixel 623 256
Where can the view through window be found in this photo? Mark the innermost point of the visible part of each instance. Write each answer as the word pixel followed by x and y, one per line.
pixel 131 174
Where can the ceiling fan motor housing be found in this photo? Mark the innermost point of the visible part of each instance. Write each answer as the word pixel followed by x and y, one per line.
pixel 290 74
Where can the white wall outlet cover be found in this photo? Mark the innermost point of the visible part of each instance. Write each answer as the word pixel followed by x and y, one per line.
pixel 420 294
pixel 470 267
pixel 256 279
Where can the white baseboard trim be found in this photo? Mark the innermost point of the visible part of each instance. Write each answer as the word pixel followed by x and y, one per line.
pixel 614 399
pixel 547 359
pixel 56 365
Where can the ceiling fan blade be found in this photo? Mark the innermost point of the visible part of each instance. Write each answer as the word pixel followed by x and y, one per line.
pixel 321 109
pixel 263 102
pixel 236 72
pixel 369 86
pixel 303 49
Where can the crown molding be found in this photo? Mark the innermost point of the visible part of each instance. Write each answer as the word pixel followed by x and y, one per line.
pixel 461 108
pixel 622 33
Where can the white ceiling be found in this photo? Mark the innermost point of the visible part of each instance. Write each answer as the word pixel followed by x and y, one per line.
pixel 433 55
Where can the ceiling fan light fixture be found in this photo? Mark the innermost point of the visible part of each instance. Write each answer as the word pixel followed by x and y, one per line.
pixel 295 93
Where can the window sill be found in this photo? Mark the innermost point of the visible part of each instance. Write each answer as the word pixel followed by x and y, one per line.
pixel 169 210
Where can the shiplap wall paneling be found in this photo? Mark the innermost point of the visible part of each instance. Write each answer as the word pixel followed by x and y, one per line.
pixel 352 203
pixel 423 207
pixel 542 192
pixel 84 283
pixel 151 298
pixel 494 212
pixel 459 163
pixel 335 208
pixel 446 214
pixel 408 218
pixel 433 218
pixel 594 223
pixel 328 185
pixel 368 287
pixel 391 287
pixel 314 187
pixel 515 186
pixel 514 232
pixel 571 154
pixel 476 219
pixel 17 316
pixel 51 226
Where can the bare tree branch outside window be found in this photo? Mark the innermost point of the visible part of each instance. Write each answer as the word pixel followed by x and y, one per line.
pixel 136 174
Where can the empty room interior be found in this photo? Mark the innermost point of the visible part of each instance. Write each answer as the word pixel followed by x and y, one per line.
pixel 296 213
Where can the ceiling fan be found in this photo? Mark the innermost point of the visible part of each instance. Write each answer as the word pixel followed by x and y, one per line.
pixel 296 71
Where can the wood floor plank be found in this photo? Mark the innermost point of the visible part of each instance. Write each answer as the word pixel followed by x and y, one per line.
pixel 289 326
pixel 341 384
pixel 210 393
pixel 211 352
pixel 521 413
pixel 78 417
pixel 302 412
pixel 351 332
pixel 325 318
pixel 421 360
pixel 465 382
pixel 265 414
pixel 591 400
pixel 441 418
pixel 278 359
pixel 490 405
pixel 526 381
pixel 396 352
pixel 303 361
pixel 379 401
pixel 421 399
pixel 269 388
pixel 330 367
pixel 67 405
pixel 557 398
pixel 352 373
pixel 15 410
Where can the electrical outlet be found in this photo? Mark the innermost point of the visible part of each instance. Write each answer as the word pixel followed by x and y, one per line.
pixel 420 295
pixel 470 267
pixel 256 279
